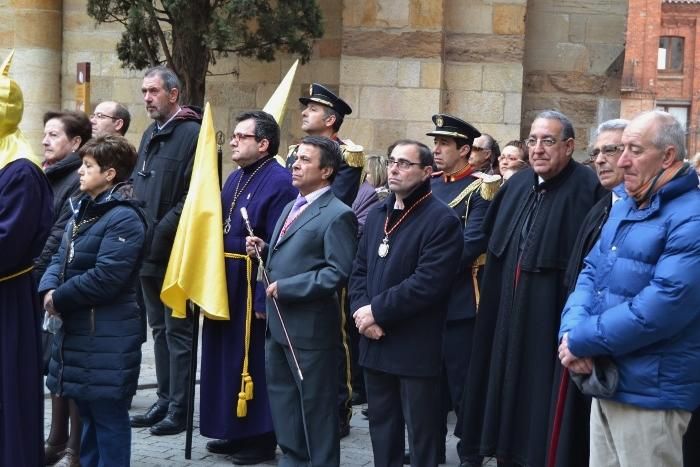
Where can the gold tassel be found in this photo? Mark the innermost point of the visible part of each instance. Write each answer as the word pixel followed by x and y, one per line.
pixel 242 409
pixel 248 387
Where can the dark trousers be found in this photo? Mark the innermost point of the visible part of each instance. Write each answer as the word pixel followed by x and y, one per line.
pixel 106 436
pixel 393 400
pixel 303 411
pixel 172 345
pixel 457 347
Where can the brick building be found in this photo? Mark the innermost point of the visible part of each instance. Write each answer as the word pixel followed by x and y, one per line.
pixel 494 62
pixel 662 62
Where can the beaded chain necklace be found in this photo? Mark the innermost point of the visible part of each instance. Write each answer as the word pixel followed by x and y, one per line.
pixel 237 193
pixel 74 233
pixel 384 246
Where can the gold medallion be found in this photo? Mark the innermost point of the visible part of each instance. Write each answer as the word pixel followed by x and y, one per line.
pixel 439 121
pixel 311 89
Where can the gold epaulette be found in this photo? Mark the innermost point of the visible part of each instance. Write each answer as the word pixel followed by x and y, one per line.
pixel 490 185
pixel 353 154
pixel 280 160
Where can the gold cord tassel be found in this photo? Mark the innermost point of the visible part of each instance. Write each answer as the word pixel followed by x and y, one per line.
pixel 246 393
pixel 242 409
pixel 248 387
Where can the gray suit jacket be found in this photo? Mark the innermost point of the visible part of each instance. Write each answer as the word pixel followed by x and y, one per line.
pixel 311 263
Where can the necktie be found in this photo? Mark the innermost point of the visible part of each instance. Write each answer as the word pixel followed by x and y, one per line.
pixel 293 214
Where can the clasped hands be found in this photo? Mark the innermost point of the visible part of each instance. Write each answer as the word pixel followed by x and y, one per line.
pixel 364 321
pixel 583 366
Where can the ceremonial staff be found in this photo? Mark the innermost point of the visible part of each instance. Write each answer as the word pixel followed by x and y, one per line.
pixel 266 279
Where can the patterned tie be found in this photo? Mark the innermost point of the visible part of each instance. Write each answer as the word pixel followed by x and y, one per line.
pixel 293 214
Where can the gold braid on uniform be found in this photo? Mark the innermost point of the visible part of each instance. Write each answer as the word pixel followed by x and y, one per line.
pixel 354 156
pixel 246 393
pixel 471 188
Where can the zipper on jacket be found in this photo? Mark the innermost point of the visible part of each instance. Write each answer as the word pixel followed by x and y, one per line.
pixel 59 378
pixel 92 320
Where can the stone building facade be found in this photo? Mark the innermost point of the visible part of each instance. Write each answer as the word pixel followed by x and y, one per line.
pixel 662 62
pixel 493 62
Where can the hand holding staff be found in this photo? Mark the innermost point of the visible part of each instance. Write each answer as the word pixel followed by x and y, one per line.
pixel 257 246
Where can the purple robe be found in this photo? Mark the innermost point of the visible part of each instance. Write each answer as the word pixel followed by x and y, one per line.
pixel 26 215
pixel 264 197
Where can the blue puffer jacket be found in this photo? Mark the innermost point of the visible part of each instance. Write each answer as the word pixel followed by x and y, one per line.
pixel 97 353
pixel 638 298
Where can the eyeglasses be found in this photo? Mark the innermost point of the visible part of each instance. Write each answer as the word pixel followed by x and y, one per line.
pixel 547 142
pixel 478 149
pixel 608 150
pixel 240 136
pixel 403 164
pixel 101 116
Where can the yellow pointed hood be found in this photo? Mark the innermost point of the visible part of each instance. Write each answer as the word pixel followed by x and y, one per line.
pixel 13 144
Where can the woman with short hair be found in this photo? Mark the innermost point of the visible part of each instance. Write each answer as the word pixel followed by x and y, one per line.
pixel 91 285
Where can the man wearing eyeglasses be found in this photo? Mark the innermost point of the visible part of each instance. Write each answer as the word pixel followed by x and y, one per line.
pixel 161 179
pixel 532 224
pixel 636 303
pixel 234 350
pixel 399 292
pixel 573 434
pixel 468 192
pixel 110 118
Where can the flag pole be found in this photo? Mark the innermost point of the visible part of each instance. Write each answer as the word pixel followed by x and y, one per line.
pixel 196 311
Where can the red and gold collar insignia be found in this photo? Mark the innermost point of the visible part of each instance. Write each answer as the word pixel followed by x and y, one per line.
pixel 458 175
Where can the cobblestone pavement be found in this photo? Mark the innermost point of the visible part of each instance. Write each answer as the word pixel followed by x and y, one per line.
pixel 167 451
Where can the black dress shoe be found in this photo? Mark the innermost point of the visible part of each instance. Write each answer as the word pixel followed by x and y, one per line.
pixel 152 416
pixel 224 446
pixel 172 424
pixel 254 455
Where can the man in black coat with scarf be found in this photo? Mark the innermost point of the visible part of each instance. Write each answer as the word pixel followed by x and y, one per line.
pixel 399 290
pixel 532 223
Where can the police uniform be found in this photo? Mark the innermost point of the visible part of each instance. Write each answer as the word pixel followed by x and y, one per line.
pixel 345 186
pixel 347 181
pixel 469 193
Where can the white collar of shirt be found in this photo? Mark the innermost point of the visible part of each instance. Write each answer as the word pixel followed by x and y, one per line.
pixel 615 198
pixel 314 195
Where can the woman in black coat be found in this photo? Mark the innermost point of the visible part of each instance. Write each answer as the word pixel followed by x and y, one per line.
pixel 91 285
pixel 64 133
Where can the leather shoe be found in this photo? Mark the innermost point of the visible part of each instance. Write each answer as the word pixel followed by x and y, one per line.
pixel 152 416
pixel 70 459
pixel 172 424
pixel 52 453
pixel 224 446
pixel 254 455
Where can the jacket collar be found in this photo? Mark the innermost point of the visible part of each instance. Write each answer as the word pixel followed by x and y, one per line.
pixel 307 215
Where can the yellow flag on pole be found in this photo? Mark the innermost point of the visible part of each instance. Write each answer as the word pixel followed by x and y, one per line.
pixel 196 269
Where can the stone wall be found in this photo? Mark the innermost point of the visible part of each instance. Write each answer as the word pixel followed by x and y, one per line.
pixel 33 29
pixel 573 62
pixel 484 48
